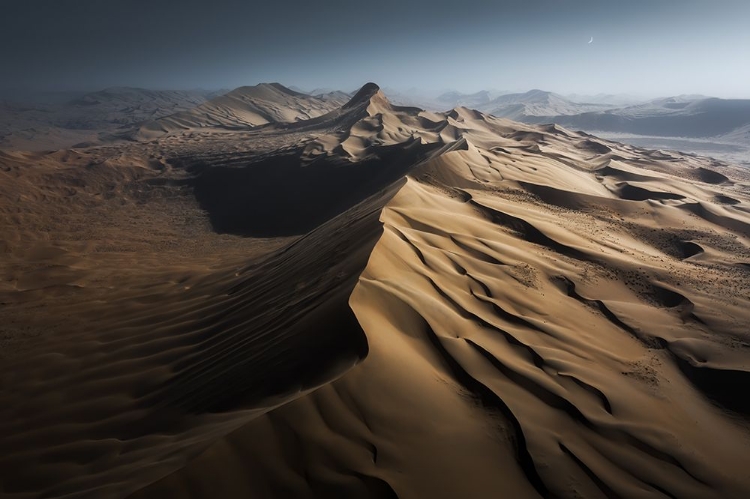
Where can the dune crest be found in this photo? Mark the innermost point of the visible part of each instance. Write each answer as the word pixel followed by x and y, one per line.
pixel 475 308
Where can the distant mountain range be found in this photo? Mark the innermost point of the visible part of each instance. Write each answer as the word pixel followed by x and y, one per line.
pixel 102 116
pixel 504 104
pixel 694 116
pixel 619 100
pixel 536 103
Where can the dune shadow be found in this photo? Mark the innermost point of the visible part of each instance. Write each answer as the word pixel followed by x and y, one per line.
pixel 281 196
pixel 726 387
pixel 634 193
pixel 712 177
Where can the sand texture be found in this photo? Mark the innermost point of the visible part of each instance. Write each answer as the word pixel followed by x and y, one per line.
pixel 274 295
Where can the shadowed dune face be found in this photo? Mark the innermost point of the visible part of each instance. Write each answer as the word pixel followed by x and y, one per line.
pixel 476 308
pixel 281 196
pixel 711 176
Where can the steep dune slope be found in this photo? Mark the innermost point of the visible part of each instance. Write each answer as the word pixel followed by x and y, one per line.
pixel 547 315
pixel 422 305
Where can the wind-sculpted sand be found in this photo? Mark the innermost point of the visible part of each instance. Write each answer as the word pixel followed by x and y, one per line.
pixel 375 302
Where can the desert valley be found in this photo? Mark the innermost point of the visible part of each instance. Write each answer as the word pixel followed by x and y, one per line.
pixel 270 294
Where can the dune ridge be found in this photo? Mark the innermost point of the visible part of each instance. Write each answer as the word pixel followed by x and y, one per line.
pixel 479 308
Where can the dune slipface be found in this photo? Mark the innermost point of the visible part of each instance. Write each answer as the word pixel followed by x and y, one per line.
pixel 375 302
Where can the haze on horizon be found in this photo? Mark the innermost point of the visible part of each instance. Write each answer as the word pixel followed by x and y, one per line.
pixel 647 48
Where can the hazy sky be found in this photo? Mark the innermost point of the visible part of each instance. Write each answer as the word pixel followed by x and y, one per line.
pixel 643 47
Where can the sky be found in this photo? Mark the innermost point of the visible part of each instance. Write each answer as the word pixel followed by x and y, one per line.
pixel 642 48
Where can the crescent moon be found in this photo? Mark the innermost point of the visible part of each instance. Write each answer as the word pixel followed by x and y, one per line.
pixel 592 40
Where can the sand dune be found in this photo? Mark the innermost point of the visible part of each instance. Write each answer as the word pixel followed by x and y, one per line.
pixel 244 107
pixel 377 301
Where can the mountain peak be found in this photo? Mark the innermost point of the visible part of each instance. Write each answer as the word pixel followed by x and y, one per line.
pixel 267 91
pixel 364 94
